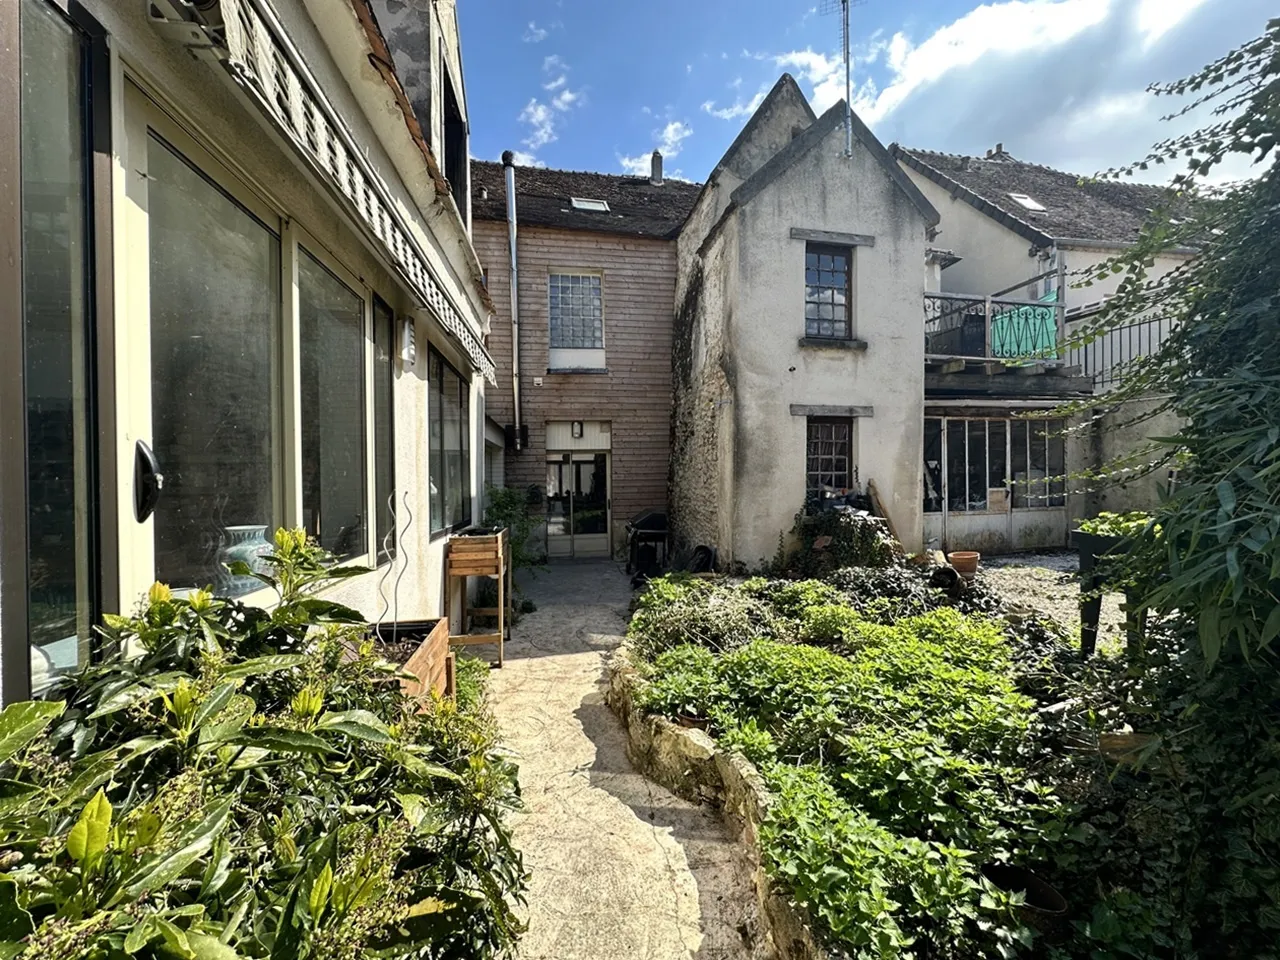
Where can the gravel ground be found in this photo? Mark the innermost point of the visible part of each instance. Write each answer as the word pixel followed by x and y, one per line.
pixel 1047 583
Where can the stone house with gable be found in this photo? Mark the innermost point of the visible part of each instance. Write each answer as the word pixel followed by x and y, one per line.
pixel 799 363
pixel 821 313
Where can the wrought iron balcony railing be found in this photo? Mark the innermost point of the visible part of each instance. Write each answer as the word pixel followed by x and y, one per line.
pixel 959 326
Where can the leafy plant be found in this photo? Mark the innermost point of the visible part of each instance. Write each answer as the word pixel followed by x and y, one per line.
pixel 1218 558
pixel 896 755
pixel 1107 524
pixel 510 508
pixel 252 784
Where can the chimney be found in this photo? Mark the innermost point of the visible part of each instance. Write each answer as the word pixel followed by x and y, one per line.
pixel 655 170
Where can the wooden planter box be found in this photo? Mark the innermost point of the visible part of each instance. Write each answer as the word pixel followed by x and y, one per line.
pixel 431 663
pixel 483 553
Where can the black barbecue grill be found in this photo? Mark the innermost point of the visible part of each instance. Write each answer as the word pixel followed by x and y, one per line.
pixel 646 532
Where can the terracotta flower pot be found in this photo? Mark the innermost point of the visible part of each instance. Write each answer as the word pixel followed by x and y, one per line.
pixel 965 562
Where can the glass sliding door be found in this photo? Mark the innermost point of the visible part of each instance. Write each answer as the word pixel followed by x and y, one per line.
pixel 331 335
pixel 215 322
pixel 199 363
pixel 56 315
pixel 578 505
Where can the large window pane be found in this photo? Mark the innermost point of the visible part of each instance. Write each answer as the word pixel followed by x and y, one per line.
pixel 450 450
pixel 977 464
pixel 331 328
pixel 54 317
pixel 1018 463
pixel 957 480
pixel 1057 463
pixel 384 483
pixel 215 321
pixel 932 465
pixel 435 450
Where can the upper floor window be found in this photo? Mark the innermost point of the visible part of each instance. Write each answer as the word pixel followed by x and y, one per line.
pixel 576 311
pixel 827 291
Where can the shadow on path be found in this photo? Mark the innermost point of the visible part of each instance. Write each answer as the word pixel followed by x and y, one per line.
pixel 620 869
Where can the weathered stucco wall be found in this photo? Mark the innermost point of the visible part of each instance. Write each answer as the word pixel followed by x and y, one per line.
pixel 200 97
pixel 994 256
pixel 825 190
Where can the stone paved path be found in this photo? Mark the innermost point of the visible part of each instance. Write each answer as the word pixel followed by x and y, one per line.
pixel 620 868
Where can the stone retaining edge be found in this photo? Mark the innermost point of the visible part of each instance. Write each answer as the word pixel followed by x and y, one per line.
pixel 689 764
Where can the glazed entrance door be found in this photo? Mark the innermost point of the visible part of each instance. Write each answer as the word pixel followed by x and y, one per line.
pixel 578 505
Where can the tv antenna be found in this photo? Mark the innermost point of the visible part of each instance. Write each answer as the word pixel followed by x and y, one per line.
pixel 825 8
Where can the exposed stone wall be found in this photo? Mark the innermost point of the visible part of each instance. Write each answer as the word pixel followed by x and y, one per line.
pixel 688 763
pixel 701 490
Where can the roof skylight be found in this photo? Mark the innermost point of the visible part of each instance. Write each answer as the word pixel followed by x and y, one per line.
pixel 586 203
pixel 1026 201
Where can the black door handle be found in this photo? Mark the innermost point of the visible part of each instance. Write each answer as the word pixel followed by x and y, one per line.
pixel 147 481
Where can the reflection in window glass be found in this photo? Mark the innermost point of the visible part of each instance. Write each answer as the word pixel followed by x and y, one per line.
pixel 450 448
pixel 829 456
pixel 1057 463
pixel 1018 462
pixel 331 328
pixel 932 465
pixel 384 482
pixel 957 480
pixel 977 499
pixel 215 320
pixel 435 451
pixel 54 322
pixel 826 291
pixel 996 472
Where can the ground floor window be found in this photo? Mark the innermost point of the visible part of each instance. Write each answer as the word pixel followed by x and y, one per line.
pixel 829 465
pixel 56 311
pixel 450 445
pixel 977 464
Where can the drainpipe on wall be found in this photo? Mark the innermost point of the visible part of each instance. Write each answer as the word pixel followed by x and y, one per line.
pixel 509 167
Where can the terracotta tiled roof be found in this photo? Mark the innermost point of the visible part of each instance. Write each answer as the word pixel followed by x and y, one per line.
pixel 636 206
pixel 1108 211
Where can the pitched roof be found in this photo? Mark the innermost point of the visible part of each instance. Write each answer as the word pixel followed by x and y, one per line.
pixel 829 122
pixel 636 206
pixel 1102 212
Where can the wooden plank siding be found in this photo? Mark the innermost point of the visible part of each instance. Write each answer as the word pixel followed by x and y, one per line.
pixel 639 279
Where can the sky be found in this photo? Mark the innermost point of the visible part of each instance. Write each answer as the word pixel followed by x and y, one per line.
pixel 598 84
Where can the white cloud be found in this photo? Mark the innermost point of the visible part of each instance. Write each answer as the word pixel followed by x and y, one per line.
pixel 534 33
pixel 1155 18
pixel 670 138
pixel 566 98
pixel 739 108
pixel 542 123
pixel 543 116
pixel 1060 82
pixel 523 159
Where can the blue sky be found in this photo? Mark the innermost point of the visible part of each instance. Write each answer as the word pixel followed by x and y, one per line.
pixel 597 84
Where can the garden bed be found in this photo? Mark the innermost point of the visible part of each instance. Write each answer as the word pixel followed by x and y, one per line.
pixel 885 723
pixel 690 764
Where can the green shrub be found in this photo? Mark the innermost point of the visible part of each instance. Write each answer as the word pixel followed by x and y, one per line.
pixel 895 752
pixel 683 683
pixel 877 895
pixel 791 598
pixel 675 612
pixel 510 508
pixel 252 785
pixel 1108 524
